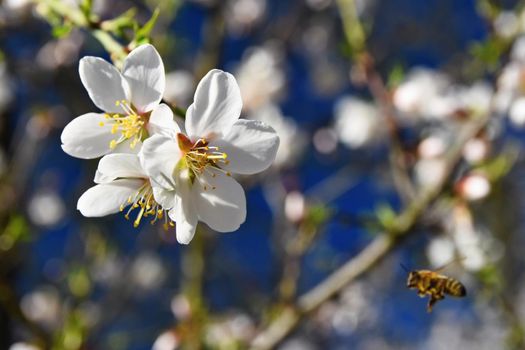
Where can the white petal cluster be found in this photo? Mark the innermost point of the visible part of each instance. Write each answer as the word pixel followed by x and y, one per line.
pixel 156 166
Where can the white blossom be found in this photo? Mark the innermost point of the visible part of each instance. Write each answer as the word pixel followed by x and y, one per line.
pixel 127 98
pixel 357 122
pixel 122 182
pixel 194 166
pixel 260 76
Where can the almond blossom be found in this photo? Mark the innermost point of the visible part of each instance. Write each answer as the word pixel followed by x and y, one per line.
pixel 121 182
pixel 193 166
pixel 127 99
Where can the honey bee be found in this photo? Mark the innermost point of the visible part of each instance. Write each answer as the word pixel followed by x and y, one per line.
pixel 435 285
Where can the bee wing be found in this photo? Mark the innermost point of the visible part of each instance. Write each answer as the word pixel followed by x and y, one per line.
pixel 441 268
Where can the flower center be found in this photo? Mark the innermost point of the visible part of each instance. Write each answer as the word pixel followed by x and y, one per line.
pixel 145 202
pixel 200 156
pixel 130 124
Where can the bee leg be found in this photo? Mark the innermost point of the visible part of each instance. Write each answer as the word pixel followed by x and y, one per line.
pixel 431 303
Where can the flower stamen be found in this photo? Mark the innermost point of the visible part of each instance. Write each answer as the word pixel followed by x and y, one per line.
pixel 145 200
pixel 130 124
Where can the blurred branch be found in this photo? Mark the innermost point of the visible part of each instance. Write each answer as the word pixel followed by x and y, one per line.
pixel 82 19
pixel 356 39
pixel 371 255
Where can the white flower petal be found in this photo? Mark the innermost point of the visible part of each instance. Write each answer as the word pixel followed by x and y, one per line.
pixel 251 147
pixel 164 197
pixel 122 165
pixel 161 122
pixel 222 205
pixel 106 199
pixel 144 72
pixel 84 137
pixel 184 213
pixel 217 106
pixel 159 156
pixel 104 83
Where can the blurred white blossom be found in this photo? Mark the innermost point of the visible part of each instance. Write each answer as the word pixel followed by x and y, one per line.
pixel 475 150
pixel 357 122
pixel 244 14
pixel 440 251
pixel 325 140
pixel 166 341
pixel 292 138
pixel 423 94
pixel 43 306
pixel 179 87
pixel 295 206
pixel 507 24
pixel 429 172
pixel 6 91
pixel 23 346
pixel 474 187
pixel 260 75
pixel 148 271
pixel 46 208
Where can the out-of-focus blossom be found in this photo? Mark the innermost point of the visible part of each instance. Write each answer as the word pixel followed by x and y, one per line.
pixel 240 326
pixel 423 94
pixel 198 163
pixel 292 138
pixel 517 53
pixel 91 312
pixel 128 98
pixel 166 341
pixel 357 122
pixel 506 24
pixel 61 52
pixel 476 150
pixel 473 99
pixel 23 346
pixel 42 306
pixel 46 208
pixel 148 272
pixel 122 182
pixel 297 343
pixel 467 238
pixel 325 140
pixel 179 87
pixel 295 206
pixel 16 5
pixel 180 306
pixel 432 147
pixel 260 76
pixel 440 251
pixel 244 14
pixel 6 95
pixel 429 172
pixel 474 187
pixel 108 270
pixel 517 112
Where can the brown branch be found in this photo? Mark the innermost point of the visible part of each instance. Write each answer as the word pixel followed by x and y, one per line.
pixel 371 255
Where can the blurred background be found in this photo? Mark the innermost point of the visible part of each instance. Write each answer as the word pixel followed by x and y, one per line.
pixel 369 98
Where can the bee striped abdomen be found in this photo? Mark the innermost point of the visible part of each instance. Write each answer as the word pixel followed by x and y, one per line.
pixel 455 288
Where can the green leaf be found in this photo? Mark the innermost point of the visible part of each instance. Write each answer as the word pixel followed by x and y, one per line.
pixel 386 216
pixel 61 31
pixel 142 35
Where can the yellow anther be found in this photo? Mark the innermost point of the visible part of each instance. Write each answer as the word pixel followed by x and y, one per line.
pixel 101 123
